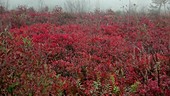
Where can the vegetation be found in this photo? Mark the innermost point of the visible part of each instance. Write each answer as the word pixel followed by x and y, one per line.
pixel 102 53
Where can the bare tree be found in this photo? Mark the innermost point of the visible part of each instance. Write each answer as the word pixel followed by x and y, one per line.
pixel 1 3
pixel 40 4
pixel 4 3
pixel 158 4
pixel 7 4
pixel 98 5
pixel 2 7
pixel 76 6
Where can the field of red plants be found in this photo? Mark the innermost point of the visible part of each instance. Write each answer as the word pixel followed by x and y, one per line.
pixel 88 54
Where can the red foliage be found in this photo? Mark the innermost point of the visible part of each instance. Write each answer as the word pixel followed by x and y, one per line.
pixel 99 56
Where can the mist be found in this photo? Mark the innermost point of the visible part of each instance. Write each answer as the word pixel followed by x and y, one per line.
pixel 91 4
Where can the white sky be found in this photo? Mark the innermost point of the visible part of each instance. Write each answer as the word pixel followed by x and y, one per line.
pixel 103 4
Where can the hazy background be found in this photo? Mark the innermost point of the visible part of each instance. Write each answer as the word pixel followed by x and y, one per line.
pixel 92 4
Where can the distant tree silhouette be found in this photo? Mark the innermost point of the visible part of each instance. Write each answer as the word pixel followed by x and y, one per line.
pixel 3 6
pixel 4 3
pixel 40 4
pixel 1 3
pixel 76 6
pixel 158 4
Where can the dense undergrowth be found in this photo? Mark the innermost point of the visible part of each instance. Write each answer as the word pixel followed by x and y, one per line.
pixel 103 53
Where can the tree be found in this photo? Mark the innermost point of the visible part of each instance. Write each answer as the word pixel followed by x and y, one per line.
pixel 1 3
pixel 76 6
pixel 7 4
pixel 4 3
pixel 98 5
pixel 41 3
pixel 3 7
pixel 158 5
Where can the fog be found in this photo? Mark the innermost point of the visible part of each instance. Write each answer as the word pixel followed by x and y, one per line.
pixel 92 4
